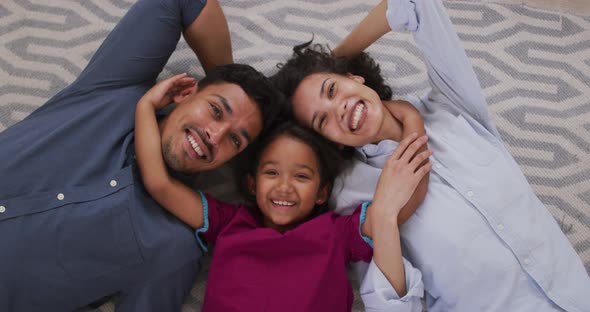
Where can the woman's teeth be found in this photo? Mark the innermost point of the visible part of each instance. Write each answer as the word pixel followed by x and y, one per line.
pixel 356 115
pixel 195 146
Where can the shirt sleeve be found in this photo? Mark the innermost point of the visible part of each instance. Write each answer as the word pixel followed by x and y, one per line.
pixel 358 247
pixel 450 74
pixel 379 296
pixel 216 215
pixel 139 46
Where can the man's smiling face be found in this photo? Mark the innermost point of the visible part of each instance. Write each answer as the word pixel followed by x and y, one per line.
pixel 209 127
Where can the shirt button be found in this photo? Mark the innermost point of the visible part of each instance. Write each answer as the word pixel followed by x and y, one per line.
pixel 527 261
pixel 500 226
pixel 60 196
pixel 2 209
pixel 113 183
pixel 470 194
pixel 437 166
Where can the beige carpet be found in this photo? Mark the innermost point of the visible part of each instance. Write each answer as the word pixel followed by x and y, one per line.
pixel 578 7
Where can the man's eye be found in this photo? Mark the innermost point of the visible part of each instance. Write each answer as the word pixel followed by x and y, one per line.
pixel 236 141
pixel 216 110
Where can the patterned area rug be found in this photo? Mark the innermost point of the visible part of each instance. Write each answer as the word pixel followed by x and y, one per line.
pixel 534 66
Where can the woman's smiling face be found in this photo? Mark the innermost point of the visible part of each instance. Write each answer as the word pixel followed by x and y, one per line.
pixel 341 108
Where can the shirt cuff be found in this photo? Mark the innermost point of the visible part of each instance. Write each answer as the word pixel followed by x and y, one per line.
pixel 205 226
pixel 378 294
pixel 362 220
pixel 401 15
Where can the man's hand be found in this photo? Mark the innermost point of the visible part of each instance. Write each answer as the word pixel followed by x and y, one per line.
pixel 163 92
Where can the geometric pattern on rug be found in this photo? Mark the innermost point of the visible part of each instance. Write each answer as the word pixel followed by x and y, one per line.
pixel 533 65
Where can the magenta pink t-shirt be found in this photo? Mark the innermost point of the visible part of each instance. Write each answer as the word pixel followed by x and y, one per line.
pixel 255 268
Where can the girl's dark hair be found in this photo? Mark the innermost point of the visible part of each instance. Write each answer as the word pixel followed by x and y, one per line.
pixel 311 58
pixel 330 161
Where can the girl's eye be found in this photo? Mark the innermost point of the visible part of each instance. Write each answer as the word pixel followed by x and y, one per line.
pixel 216 110
pixel 270 172
pixel 302 177
pixel 331 91
pixel 236 141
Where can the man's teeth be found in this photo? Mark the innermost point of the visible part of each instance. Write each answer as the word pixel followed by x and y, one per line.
pixel 282 203
pixel 195 146
pixel 356 115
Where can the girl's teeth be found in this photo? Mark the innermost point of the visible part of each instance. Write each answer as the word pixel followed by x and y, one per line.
pixel 195 146
pixel 282 203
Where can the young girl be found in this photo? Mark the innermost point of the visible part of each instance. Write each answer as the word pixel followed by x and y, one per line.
pixel 481 238
pixel 288 253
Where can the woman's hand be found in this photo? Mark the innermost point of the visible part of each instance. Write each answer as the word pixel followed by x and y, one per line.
pixel 400 177
pixel 163 92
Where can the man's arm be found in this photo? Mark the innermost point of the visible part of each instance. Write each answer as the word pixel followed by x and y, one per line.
pixel 209 37
pixel 172 194
pixel 137 49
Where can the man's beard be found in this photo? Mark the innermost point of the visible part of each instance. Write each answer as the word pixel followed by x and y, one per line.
pixel 170 159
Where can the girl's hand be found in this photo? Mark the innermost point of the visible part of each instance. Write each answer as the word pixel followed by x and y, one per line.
pixel 163 92
pixel 400 176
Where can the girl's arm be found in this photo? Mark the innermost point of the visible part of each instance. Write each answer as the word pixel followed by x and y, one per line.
pixel 172 194
pixel 400 176
pixel 411 122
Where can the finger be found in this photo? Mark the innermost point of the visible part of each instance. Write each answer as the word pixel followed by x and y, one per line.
pixel 422 171
pixel 403 144
pixel 419 159
pixel 413 148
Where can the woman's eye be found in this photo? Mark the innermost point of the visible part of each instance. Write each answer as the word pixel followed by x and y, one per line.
pixel 331 91
pixel 270 172
pixel 216 110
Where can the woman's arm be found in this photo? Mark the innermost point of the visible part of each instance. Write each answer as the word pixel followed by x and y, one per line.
pixel 411 122
pixel 371 28
pixel 172 194
pixel 401 175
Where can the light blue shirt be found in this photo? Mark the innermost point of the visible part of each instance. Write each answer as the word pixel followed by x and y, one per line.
pixel 482 240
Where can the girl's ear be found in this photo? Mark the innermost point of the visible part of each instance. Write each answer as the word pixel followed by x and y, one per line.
pixel 356 78
pixel 178 98
pixel 251 185
pixel 323 194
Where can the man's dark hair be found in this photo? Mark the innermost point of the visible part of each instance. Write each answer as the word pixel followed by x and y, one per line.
pixel 267 97
pixel 330 161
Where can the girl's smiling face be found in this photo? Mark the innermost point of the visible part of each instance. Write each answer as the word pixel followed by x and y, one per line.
pixel 287 183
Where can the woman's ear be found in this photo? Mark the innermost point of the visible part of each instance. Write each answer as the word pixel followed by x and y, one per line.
pixel 178 98
pixel 356 78
pixel 323 194
pixel 251 185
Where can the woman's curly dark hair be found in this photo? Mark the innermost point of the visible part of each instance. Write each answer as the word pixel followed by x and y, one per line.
pixel 311 58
